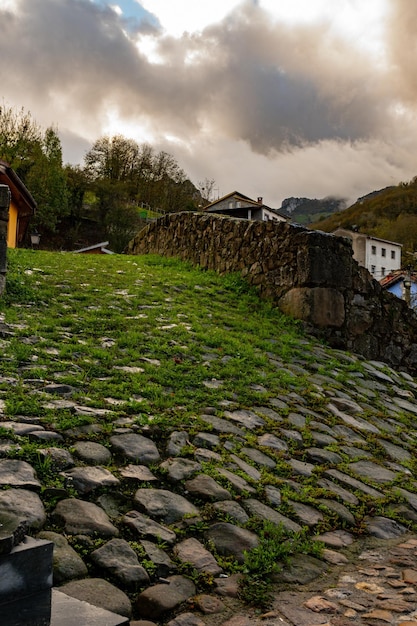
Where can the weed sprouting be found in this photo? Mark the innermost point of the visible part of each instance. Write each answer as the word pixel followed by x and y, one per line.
pixel 276 546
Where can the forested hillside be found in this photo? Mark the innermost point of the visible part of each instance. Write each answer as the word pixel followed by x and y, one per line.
pixel 120 184
pixel 390 214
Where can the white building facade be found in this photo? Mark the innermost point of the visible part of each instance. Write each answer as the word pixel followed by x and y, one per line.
pixel 379 256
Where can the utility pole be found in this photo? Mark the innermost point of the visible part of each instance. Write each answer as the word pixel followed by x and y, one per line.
pixel 407 289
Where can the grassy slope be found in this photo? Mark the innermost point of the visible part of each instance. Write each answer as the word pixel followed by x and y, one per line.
pixel 86 315
pixel 195 340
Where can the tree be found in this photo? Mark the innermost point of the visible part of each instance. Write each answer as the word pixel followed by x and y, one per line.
pixel 206 188
pixel 147 177
pixel 113 158
pixel 77 186
pixel 36 157
pixel 47 182
pixel 20 140
pixel 118 217
pixel 165 179
pixel 122 223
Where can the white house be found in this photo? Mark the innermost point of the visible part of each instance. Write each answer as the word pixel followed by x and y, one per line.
pixel 379 256
pixel 236 204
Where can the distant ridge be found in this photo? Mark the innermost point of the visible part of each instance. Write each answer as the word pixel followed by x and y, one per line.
pixel 308 210
pixel 389 213
pixel 373 194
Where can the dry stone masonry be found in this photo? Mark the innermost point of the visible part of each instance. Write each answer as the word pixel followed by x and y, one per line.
pixel 309 275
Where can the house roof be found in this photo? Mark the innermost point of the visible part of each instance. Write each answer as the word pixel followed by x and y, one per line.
pixel 95 248
pixel 21 196
pixel 357 234
pixel 392 243
pixel 396 276
pixel 238 196
pixel 241 196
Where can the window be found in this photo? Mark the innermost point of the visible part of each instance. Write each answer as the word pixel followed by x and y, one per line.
pixel 392 254
pixel 373 250
pixel 230 205
pixel 372 269
pixel 383 252
pixel 383 271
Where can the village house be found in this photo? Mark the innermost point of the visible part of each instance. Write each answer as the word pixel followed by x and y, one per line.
pixel 379 256
pixel 22 205
pixel 236 204
pixel 97 248
pixel 403 284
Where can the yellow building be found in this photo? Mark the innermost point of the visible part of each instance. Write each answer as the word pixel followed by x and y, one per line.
pixel 22 205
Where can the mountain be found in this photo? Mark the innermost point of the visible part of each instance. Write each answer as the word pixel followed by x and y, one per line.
pixel 373 194
pixel 307 210
pixel 390 213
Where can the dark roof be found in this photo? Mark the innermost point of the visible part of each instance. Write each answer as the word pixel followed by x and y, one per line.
pixel 359 235
pixel 20 194
pixel 242 196
pixel 233 194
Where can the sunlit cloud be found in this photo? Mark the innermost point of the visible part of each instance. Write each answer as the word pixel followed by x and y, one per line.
pixel 188 15
pixel 276 99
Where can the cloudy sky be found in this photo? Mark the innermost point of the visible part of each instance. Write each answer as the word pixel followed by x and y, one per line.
pixel 274 98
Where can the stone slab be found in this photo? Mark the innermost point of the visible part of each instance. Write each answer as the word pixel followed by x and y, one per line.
pixel 54 608
pixel 353 483
pixel 16 473
pixel 33 610
pixel 373 471
pixel 27 569
pixel 67 611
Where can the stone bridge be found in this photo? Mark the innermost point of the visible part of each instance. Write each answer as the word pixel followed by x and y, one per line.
pixel 308 274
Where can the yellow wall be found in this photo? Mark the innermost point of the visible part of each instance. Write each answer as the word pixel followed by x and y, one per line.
pixel 12 228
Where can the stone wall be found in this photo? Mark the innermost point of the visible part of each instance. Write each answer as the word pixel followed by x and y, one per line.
pixel 308 274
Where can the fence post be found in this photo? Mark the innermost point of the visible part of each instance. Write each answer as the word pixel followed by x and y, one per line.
pixel 4 221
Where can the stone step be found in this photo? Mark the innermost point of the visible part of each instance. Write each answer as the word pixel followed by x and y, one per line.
pixel 26 570
pixel 54 608
pixel 32 610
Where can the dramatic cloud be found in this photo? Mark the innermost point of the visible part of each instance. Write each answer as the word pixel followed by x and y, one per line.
pixel 402 51
pixel 259 104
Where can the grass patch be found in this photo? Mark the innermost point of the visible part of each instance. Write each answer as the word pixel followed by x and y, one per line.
pixel 153 343
pixel 275 548
pixel 96 320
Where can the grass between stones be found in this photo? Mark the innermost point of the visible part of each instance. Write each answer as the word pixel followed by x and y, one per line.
pixel 154 342
pixel 160 337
